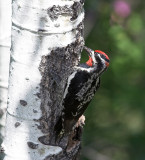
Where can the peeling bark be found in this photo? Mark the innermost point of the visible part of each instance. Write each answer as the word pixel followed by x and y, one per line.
pixel 73 11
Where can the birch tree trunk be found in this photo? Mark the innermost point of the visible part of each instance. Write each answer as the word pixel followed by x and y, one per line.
pixel 47 40
pixel 5 40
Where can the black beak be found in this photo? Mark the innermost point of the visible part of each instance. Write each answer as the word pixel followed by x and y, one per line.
pixel 88 50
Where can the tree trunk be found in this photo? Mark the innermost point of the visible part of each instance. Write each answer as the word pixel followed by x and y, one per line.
pixel 47 40
pixel 5 40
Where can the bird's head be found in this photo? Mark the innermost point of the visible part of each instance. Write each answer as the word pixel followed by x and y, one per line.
pixel 97 56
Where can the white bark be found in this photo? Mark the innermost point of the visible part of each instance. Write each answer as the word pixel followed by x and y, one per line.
pixel 5 40
pixel 35 33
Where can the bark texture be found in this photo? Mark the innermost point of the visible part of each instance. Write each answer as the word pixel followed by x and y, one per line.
pixel 5 34
pixel 47 41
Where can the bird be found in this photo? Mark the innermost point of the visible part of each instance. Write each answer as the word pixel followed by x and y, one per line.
pixel 81 87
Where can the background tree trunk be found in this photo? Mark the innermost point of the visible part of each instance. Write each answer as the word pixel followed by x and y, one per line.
pixel 47 40
pixel 5 40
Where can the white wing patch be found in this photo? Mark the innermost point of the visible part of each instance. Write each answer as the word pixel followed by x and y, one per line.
pixel 68 83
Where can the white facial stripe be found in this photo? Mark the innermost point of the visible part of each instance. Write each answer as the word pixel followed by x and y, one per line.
pixel 85 69
pixel 103 61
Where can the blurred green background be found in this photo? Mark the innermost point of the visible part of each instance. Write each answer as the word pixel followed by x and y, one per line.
pixel 115 119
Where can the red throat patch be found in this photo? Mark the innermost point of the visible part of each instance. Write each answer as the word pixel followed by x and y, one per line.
pixel 90 62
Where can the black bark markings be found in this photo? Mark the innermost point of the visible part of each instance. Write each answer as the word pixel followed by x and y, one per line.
pixel 73 11
pixel 44 139
pixel 17 124
pixel 2 150
pixel 23 103
pixel 35 111
pixel 32 145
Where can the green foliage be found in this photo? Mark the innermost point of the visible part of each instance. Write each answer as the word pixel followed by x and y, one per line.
pixel 115 125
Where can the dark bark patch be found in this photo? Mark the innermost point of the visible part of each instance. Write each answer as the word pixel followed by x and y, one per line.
pixel 38 95
pixel 35 111
pixel 23 103
pixel 17 124
pixel 42 31
pixel 32 145
pixel 55 11
pixel 44 140
pixel 2 150
pixel 76 7
pixel 1 111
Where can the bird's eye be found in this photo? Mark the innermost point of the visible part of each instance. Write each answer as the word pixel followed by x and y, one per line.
pixel 103 57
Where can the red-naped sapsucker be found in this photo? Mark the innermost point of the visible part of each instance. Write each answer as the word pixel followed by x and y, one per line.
pixel 80 89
